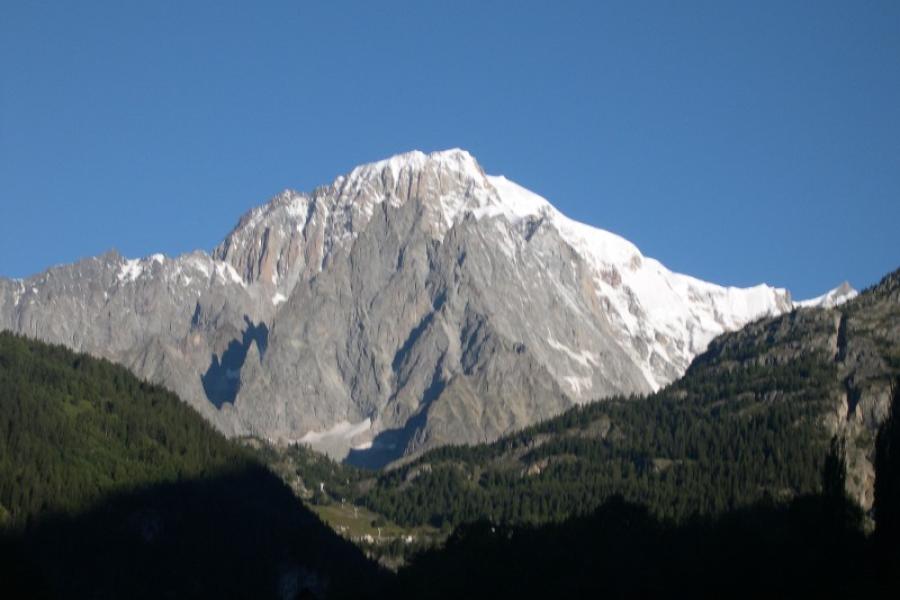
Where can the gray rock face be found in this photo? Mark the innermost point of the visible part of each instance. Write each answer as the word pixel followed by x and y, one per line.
pixel 411 303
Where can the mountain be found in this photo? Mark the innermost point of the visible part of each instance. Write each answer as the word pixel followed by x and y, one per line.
pixel 754 419
pixel 111 487
pixel 735 489
pixel 413 302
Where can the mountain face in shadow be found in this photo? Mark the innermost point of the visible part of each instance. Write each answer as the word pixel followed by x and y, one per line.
pixel 221 381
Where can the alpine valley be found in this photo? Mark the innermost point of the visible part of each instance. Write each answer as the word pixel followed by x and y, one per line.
pixel 556 414
pixel 412 303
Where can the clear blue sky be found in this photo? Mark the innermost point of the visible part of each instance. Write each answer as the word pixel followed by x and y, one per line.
pixel 738 142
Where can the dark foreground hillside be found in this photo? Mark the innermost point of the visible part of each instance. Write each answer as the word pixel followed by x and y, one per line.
pixel 621 551
pixel 114 488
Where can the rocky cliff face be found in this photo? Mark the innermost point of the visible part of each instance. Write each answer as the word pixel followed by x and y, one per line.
pixel 414 302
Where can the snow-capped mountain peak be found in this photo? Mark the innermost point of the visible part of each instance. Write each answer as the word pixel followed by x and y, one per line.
pixel 667 317
pixel 415 294
pixel 453 160
pixel 830 299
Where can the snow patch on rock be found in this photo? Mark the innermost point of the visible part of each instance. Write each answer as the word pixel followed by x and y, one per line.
pixel 341 431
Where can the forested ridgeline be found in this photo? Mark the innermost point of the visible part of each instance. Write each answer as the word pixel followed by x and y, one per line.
pixel 812 546
pixel 111 487
pixel 678 456
pixel 74 428
pixel 809 544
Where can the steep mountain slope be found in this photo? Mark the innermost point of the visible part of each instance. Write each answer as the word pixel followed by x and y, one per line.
pixel 751 420
pixel 413 302
pixel 111 487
